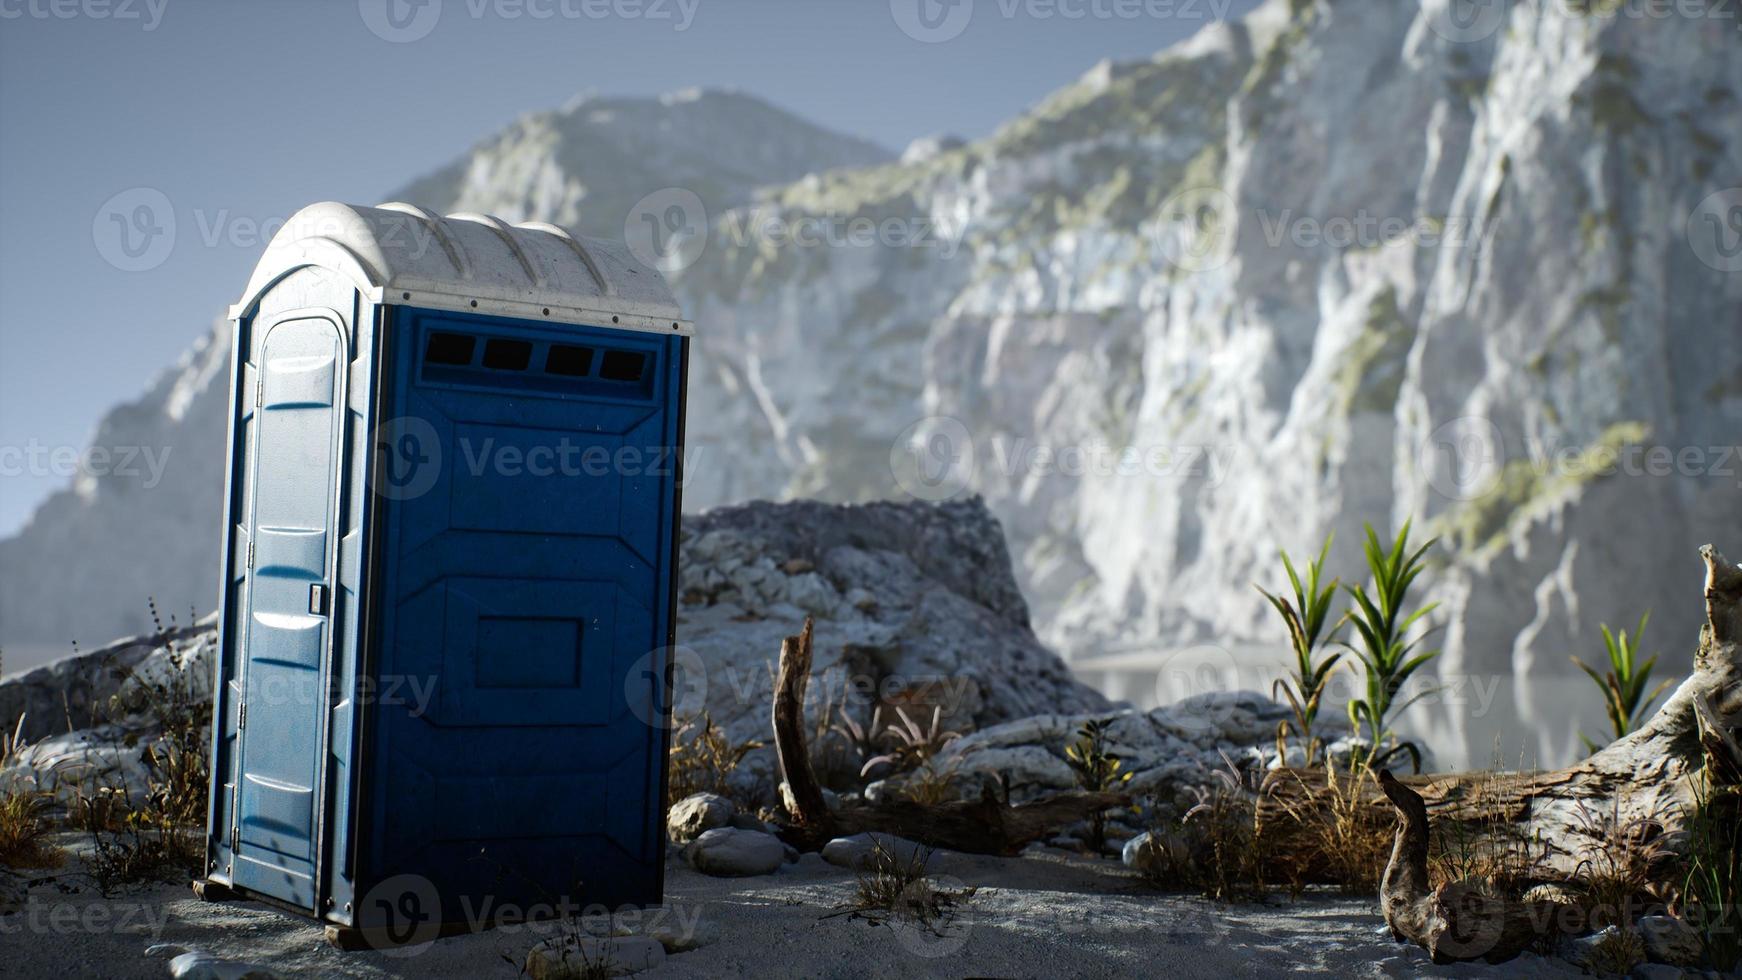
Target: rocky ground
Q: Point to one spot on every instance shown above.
(1047, 913)
(917, 602)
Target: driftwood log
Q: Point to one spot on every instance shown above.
(1455, 921)
(984, 826)
(1647, 781)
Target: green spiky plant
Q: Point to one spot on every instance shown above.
(1387, 653)
(1305, 615)
(1098, 769)
(1623, 685)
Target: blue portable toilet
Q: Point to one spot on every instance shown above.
(455, 456)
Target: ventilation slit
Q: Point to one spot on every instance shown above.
(507, 355)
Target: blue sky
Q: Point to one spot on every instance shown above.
(240, 113)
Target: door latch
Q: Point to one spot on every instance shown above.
(317, 599)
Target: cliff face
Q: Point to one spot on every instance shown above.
(1336, 263)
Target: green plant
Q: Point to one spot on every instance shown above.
(1623, 684)
(1305, 615)
(1711, 886)
(1386, 651)
(1097, 769)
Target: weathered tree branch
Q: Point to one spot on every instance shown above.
(804, 796)
(1455, 921)
(984, 826)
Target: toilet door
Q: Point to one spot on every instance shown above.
(286, 650)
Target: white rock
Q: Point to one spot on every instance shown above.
(728, 852)
(861, 852)
(695, 815)
(682, 937)
(197, 965)
(589, 957)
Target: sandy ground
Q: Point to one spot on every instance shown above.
(1045, 914)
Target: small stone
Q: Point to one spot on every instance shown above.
(695, 815)
(575, 958)
(680, 937)
(164, 951)
(197, 965)
(1136, 854)
(732, 853)
(860, 852)
(797, 566)
(1670, 940)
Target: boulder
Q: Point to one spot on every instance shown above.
(728, 852)
(1670, 940)
(1169, 751)
(860, 852)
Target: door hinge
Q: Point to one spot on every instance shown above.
(250, 555)
(260, 391)
(235, 837)
(241, 715)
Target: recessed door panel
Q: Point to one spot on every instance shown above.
(292, 525)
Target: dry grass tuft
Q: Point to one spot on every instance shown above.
(1711, 886)
(24, 830)
(1622, 872)
(1500, 857)
(1334, 830)
(703, 760)
(1616, 955)
(1218, 847)
(895, 889)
